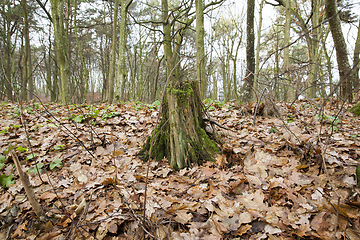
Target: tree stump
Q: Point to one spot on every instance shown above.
(180, 135)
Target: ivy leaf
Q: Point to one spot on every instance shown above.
(31, 156)
(56, 163)
(34, 169)
(6, 180)
(21, 149)
(79, 118)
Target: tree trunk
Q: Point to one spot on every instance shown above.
(26, 65)
(288, 91)
(61, 42)
(180, 136)
(356, 64)
(85, 84)
(258, 46)
(341, 50)
(113, 54)
(250, 51)
(200, 47)
(122, 49)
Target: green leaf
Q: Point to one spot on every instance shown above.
(59, 147)
(56, 163)
(6, 180)
(34, 169)
(5, 130)
(353, 135)
(52, 125)
(21, 149)
(274, 130)
(79, 118)
(2, 160)
(31, 156)
(10, 147)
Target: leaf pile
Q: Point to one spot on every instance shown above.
(269, 182)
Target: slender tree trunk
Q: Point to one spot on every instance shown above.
(8, 79)
(122, 49)
(258, 46)
(113, 54)
(341, 50)
(356, 63)
(61, 41)
(250, 51)
(288, 91)
(26, 65)
(85, 84)
(200, 47)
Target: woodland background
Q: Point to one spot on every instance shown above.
(76, 51)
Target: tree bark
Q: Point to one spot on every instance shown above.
(27, 79)
(250, 51)
(61, 42)
(85, 83)
(113, 54)
(180, 136)
(356, 60)
(122, 49)
(288, 91)
(341, 50)
(258, 46)
(200, 47)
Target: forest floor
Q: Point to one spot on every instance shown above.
(269, 182)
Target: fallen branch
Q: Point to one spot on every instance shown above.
(28, 189)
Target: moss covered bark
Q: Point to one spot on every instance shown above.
(180, 135)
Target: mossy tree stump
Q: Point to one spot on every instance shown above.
(180, 135)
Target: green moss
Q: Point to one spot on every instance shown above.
(355, 109)
(183, 92)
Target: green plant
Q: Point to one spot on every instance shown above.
(34, 170)
(31, 156)
(78, 118)
(21, 149)
(355, 109)
(155, 104)
(219, 104)
(10, 147)
(108, 115)
(5, 130)
(59, 147)
(273, 130)
(2, 160)
(56, 163)
(93, 114)
(138, 106)
(333, 121)
(6, 181)
(37, 126)
(290, 118)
